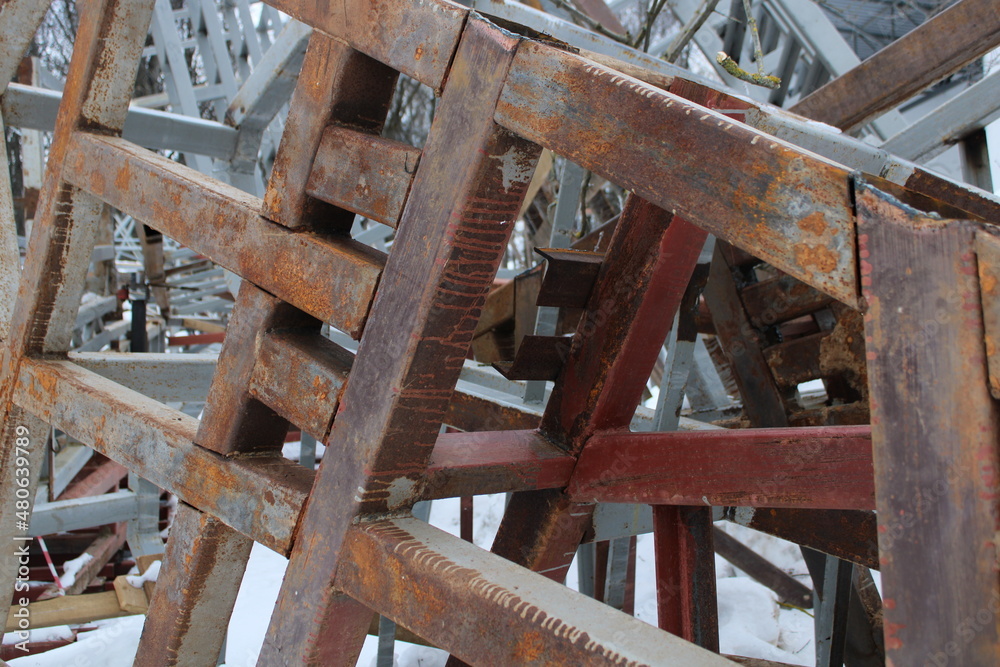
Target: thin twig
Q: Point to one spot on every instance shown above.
(758, 50)
(688, 31)
(765, 80)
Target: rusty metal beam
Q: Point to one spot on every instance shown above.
(650, 260)
(364, 173)
(465, 464)
(258, 496)
(818, 467)
(417, 37)
(333, 278)
(930, 52)
(934, 433)
(188, 616)
(19, 20)
(336, 85)
(409, 571)
(234, 421)
(465, 197)
(101, 74)
(792, 207)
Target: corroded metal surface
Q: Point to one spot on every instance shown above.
(525, 619)
(934, 431)
(792, 208)
(821, 468)
(695, 168)
(332, 279)
(336, 85)
(364, 173)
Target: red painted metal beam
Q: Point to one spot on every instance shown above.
(818, 467)
(495, 462)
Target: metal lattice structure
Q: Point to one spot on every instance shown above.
(913, 254)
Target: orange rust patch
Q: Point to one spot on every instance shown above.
(814, 223)
(988, 282)
(819, 257)
(531, 647)
(123, 178)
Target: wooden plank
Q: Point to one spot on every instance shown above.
(466, 195)
(364, 173)
(329, 90)
(930, 52)
(936, 475)
(408, 570)
(71, 610)
(789, 207)
(130, 599)
(101, 550)
(817, 467)
(333, 279)
(416, 37)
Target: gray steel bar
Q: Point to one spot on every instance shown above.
(32, 108)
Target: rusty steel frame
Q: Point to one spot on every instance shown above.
(354, 548)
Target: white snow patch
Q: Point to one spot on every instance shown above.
(151, 573)
(72, 567)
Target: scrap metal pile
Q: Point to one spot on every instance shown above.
(832, 259)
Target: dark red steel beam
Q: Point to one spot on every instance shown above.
(685, 574)
(495, 462)
(826, 467)
(649, 264)
(196, 339)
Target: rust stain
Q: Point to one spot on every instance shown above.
(815, 223)
(988, 282)
(821, 258)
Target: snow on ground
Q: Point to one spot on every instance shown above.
(751, 623)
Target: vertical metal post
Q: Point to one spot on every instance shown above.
(934, 434)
